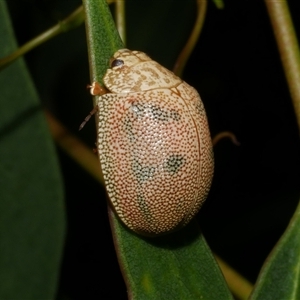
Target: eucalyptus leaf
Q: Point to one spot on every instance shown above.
(279, 278)
(175, 266)
(31, 202)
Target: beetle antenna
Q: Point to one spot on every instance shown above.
(87, 118)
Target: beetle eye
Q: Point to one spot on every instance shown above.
(117, 62)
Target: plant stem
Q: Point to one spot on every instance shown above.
(74, 148)
(190, 45)
(288, 48)
(75, 19)
(225, 134)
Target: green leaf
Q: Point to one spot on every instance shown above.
(102, 37)
(31, 203)
(176, 266)
(219, 4)
(280, 276)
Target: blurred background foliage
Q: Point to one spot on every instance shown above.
(237, 71)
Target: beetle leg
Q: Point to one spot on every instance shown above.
(96, 89)
(95, 109)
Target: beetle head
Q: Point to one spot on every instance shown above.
(134, 71)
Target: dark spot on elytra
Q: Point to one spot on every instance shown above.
(147, 216)
(164, 115)
(138, 109)
(142, 203)
(174, 163)
(142, 173)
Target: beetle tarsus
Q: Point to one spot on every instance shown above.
(87, 118)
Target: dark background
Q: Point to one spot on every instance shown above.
(237, 71)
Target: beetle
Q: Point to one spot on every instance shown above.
(153, 144)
